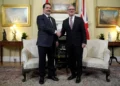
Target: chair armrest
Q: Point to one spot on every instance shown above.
(84, 52)
(106, 55)
(24, 55)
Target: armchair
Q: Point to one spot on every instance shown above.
(29, 56)
(96, 55)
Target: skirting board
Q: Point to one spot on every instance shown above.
(11, 59)
(16, 59)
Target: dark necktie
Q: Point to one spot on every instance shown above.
(50, 19)
(71, 23)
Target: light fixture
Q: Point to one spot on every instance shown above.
(118, 33)
(13, 28)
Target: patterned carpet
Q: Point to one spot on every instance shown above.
(10, 76)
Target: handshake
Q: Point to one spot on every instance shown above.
(58, 33)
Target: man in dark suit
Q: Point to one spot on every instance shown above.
(46, 42)
(75, 42)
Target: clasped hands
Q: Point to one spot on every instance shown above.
(58, 33)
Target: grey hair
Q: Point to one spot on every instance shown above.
(70, 6)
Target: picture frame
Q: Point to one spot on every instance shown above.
(60, 6)
(15, 14)
(107, 17)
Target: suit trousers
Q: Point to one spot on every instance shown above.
(75, 59)
(43, 51)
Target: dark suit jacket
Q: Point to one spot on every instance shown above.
(77, 34)
(46, 29)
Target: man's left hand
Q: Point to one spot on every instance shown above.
(57, 43)
(83, 45)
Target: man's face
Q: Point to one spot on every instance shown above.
(47, 9)
(71, 10)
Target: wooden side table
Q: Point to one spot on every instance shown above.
(17, 44)
(113, 45)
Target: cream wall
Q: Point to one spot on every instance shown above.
(19, 30)
(0, 20)
(91, 12)
(36, 9)
(107, 3)
(90, 8)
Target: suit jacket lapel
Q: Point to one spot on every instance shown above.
(68, 23)
(53, 23)
(48, 21)
(74, 22)
(45, 18)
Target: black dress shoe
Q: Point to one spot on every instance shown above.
(41, 81)
(53, 78)
(78, 79)
(71, 77)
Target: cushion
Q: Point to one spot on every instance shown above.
(84, 52)
(95, 63)
(34, 51)
(32, 63)
(31, 46)
(96, 48)
(28, 43)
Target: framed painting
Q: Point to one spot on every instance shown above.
(107, 17)
(60, 6)
(15, 14)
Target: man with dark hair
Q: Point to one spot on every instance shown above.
(46, 42)
(75, 42)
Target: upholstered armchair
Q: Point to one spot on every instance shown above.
(29, 56)
(97, 55)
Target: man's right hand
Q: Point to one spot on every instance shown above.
(58, 34)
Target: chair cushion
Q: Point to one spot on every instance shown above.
(95, 48)
(31, 46)
(34, 51)
(31, 63)
(85, 52)
(95, 63)
(28, 43)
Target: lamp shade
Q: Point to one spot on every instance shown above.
(118, 28)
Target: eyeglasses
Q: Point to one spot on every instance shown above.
(71, 9)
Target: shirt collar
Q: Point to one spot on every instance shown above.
(72, 16)
(46, 15)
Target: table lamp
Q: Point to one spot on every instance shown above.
(118, 33)
(14, 32)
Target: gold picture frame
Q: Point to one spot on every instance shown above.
(107, 17)
(60, 6)
(16, 14)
